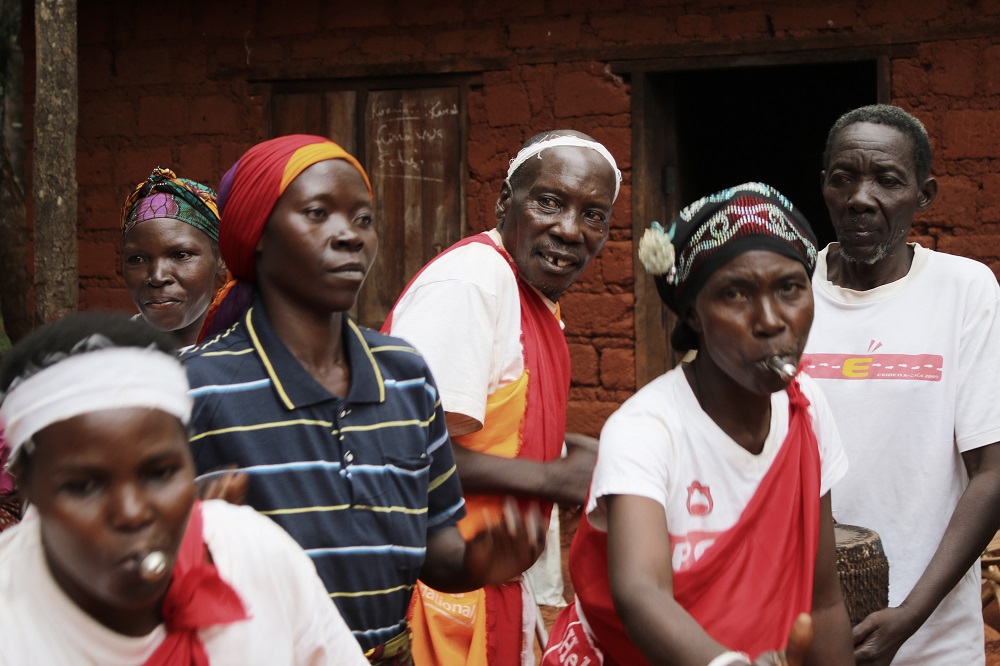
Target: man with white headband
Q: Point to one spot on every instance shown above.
(116, 562)
(485, 316)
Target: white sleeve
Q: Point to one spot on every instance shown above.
(833, 458)
(977, 409)
(634, 458)
(453, 323)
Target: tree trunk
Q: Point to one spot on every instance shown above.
(15, 284)
(56, 116)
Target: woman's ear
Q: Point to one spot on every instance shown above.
(222, 275)
(690, 317)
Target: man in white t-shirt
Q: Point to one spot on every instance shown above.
(484, 315)
(906, 347)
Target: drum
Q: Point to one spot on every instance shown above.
(863, 570)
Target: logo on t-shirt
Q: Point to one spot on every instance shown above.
(699, 500)
(919, 367)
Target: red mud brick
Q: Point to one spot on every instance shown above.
(583, 93)
(971, 133)
(616, 263)
(163, 115)
(584, 362)
(98, 259)
(539, 34)
(506, 105)
(618, 368)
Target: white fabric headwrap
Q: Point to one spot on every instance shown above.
(537, 148)
(93, 381)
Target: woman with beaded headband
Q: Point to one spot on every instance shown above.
(116, 562)
(725, 463)
(170, 252)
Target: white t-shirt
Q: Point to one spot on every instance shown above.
(463, 314)
(292, 620)
(912, 373)
(661, 445)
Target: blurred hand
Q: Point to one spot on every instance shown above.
(509, 548)
(799, 640)
(230, 486)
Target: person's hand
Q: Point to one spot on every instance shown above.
(799, 639)
(568, 478)
(509, 548)
(230, 486)
(878, 637)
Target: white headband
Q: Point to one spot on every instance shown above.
(537, 148)
(93, 381)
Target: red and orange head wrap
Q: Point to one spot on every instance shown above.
(253, 185)
(247, 195)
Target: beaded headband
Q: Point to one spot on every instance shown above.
(716, 228)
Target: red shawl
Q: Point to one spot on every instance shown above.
(748, 587)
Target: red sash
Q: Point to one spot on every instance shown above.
(197, 598)
(748, 587)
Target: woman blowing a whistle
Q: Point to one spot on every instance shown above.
(708, 538)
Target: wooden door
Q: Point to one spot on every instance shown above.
(411, 142)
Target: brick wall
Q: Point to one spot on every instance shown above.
(168, 84)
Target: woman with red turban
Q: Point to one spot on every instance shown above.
(339, 429)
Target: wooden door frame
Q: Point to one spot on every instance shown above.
(654, 163)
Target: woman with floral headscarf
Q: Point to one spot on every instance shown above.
(708, 535)
(339, 428)
(170, 252)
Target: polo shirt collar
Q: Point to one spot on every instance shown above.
(292, 384)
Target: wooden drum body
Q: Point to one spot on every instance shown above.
(863, 570)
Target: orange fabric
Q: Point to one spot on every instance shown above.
(306, 156)
(448, 628)
(453, 628)
(500, 436)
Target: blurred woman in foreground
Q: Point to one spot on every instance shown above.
(116, 562)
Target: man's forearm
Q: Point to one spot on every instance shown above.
(563, 480)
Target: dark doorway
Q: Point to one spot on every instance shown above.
(763, 123)
(708, 126)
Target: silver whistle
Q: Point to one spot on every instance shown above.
(153, 566)
(782, 368)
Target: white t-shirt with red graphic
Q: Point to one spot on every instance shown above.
(661, 445)
(912, 373)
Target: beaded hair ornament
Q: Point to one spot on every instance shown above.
(748, 210)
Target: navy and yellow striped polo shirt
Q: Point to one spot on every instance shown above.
(358, 481)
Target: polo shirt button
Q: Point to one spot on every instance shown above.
(349, 457)
(344, 412)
